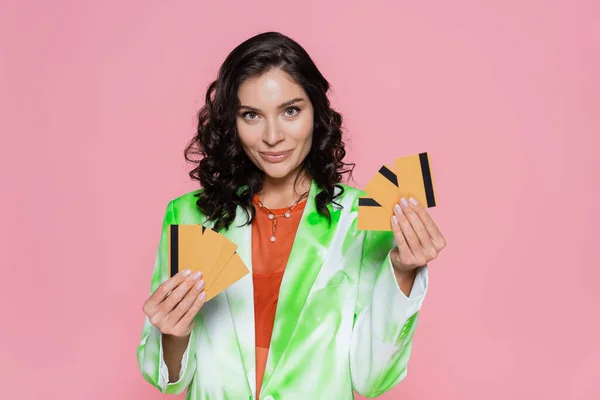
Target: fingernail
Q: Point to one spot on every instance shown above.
(200, 285)
(186, 272)
(398, 209)
(197, 275)
(413, 201)
(202, 296)
(404, 202)
(394, 220)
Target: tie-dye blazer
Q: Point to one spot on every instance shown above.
(342, 323)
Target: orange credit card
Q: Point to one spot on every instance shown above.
(415, 178)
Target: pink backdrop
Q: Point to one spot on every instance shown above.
(98, 101)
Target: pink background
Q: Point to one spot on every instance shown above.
(99, 98)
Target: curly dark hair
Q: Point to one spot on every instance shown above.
(226, 174)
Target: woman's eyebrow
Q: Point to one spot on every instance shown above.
(290, 102)
(282, 105)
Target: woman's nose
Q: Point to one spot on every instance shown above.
(273, 133)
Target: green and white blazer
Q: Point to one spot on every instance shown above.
(342, 324)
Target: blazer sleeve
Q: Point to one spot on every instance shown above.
(150, 350)
(385, 319)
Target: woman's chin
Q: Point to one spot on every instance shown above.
(276, 174)
(278, 171)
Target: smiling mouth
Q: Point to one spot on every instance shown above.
(275, 156)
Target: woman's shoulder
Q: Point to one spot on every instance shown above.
(185, 209)
(347, 198)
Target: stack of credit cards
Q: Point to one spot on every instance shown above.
(198, 248)
(410, 176)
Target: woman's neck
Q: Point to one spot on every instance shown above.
(281, 193)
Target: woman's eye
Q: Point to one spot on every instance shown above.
(291, 112)
(250, 115)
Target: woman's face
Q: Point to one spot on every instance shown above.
(275, 123)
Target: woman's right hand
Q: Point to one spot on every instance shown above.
(174, 304)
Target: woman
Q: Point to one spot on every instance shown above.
(327, 309)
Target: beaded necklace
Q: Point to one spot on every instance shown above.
(273, 217)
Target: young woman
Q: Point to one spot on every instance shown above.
(327, 310)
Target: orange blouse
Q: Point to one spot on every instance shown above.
(268, 265)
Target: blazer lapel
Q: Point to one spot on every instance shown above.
(240, 296)
(308, 253)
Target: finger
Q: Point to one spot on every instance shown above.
(403, 248)
(160, 316)
(409, 234)
(163, 290)
(185, 304)
(430, 225)
(179, 293)
(419, 228)
(185, 324)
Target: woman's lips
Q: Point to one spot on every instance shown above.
(275, 157)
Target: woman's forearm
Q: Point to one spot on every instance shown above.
(173, 349)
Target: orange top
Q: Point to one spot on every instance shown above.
(268, 265)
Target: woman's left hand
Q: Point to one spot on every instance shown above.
(418, 238)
